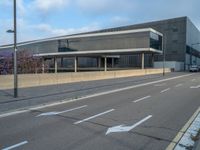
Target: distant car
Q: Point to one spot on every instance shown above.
(194, 68)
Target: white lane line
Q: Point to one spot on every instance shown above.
(195, 87)
(92, 117)
(165, 90)
(28, 109)
(123, 128)
(61, 112)
(178, 85)
(138, 100)
(16, 145)
(160, 84)
(193, 80)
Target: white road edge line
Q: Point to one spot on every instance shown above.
(60, 112)
(192, 131)
(165, 90)
(15, 146)
(180, 134)
(92, 117)
(138, 100)
(24, 110)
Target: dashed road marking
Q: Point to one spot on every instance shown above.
(179, 85)
(92, 117)
(195, 87)
(138, 100)
(165, 90)
(15, 146)
(61, 112)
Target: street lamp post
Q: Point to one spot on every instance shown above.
(15, 53)
(14, 31)
(164, 49)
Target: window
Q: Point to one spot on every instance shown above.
(175, 29)
(155, 41)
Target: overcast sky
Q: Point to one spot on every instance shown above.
(47, 18)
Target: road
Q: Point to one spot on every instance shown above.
(143, 117)
(47, 94)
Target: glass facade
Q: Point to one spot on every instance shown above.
(135, 40)
(192, 45)
(155, 41)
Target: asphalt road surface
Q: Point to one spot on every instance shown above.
(143, 117)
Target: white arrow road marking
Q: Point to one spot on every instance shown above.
(195, 87)
(138, 100)
(123, 128)
(78, 122)
(178, 85)
(16, 145)
(165, 90)
(59, 112)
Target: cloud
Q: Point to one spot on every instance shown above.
(4, 26)
(21, 10)
(162, 9)
(28, 31)
(45, 18)
(6, 2)
(21, 7)
(47, 5)
(119, 21)
(105, 6)
(51, 31)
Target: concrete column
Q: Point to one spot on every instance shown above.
(43, 65)
(113, 62)
(55, 65)
(142, 60)
(152, 60)
(75, 64)
(105, 63)
(62, 62)
(99, 62)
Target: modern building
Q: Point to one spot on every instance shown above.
(133, 46)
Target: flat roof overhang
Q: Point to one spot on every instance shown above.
(84, 35)
(99, 53)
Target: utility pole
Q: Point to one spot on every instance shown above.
(15, 52)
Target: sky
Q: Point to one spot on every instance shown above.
(38, 19)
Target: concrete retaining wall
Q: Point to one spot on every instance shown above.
(177, 66)
(32, 80)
